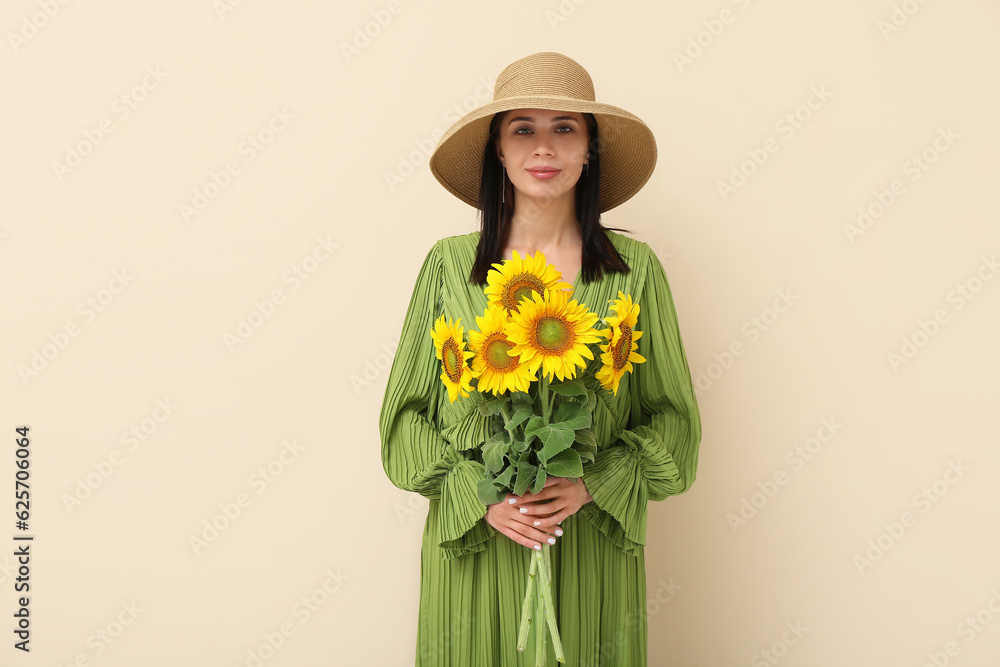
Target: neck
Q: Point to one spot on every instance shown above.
(544, 225)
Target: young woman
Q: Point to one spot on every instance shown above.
(540, 162)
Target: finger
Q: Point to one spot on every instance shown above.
(520, 539)
(548, 526)
(546, 490)
(525, 525)
(537, 536)
(530, 538)
(559, 517)
(540, 508)
(548, 508)
(550, 521)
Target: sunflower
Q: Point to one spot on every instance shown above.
(450, 348)
(497, 370)
(551, 333)
(619, 354)
(517, 278)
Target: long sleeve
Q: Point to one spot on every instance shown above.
(415, 455)
(656, 457)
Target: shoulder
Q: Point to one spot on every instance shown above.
(457, 247)
(450, 256)
(452, 243)
(634, 251)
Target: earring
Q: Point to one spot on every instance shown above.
(503, 184)
(586, 169)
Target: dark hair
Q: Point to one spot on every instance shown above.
(599, 253)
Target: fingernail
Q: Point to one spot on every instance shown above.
(538, 547)
(538, 523)
(559, 532)
(524, 510)
(512, 500)
(552, 540)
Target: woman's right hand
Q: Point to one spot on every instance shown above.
(507, 518)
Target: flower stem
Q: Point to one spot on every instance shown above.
(543, 392)
(544, 587)
(540, 654)
(527, 606)
(505, 411)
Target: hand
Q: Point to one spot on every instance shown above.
(557, 499)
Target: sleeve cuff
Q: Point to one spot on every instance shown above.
(462, 527)
(621, 480)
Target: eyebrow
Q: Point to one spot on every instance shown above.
(532, 120)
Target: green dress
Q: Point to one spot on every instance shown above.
(472, 577)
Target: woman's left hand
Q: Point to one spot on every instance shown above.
(566, 500)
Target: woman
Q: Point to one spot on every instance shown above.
(540, 162)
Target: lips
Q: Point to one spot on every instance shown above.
(544, 173)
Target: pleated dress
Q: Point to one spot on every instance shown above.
(472, 577)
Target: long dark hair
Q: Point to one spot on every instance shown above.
(599, 253)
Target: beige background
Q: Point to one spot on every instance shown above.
(339, 189)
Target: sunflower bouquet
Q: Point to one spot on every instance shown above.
(542, 423)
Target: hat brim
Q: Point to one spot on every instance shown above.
(627, 147)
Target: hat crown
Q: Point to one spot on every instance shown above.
(544, 74)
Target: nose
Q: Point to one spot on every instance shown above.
(542, 145)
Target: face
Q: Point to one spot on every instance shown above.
(539, 138)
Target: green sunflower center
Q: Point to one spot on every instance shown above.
(521, 286)
(552, 334)
(496, 355)
(621, 351)
(452, 360)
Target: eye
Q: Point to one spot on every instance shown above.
(518, 130)
(564, 127)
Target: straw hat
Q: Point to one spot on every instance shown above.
(554, 82)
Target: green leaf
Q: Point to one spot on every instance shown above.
(518, 446)
(492, 406)
(505, 478)
(555, 439)
(493, 453)
(568, 387)
(539, 482)
(488, 493)
(521, 412)
(591, 400)
(586, 451)
(585, 435)
(572, 415)
(530, 431)
(564, 464)
(586, 445)
(526, 473)
(499, 436)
